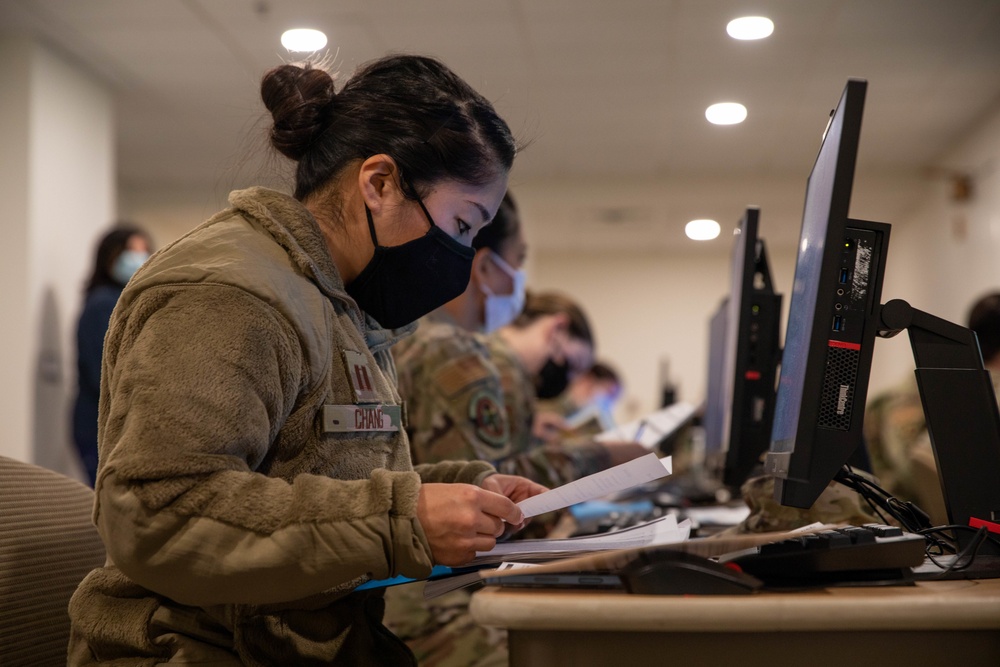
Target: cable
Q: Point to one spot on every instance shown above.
(914, 520)
(970, 552)
(941, 540)
(907, 514)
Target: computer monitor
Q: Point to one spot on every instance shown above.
(830, 332)
(833, 319)
(714, 404)
(744, 354)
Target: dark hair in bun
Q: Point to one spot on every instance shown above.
(412, 108)
(299, 101)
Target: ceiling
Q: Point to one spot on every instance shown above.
(601, 90)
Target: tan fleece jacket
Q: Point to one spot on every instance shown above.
(236, 522)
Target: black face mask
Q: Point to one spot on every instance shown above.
(403, 283)
(553, 379)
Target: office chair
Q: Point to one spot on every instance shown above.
(47, 546)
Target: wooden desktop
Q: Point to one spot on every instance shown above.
(931, 623)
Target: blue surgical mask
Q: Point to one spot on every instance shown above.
(605, 403)
(127, 263)
(502, 309)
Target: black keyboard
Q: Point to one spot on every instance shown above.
(873, 552)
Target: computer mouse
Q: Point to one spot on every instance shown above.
(673, 572)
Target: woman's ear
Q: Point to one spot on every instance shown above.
(379, 182)
(480, 266)
(561, 322)
(548, 328)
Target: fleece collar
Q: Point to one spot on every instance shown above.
(294, 228)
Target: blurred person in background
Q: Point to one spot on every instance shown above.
(119, 255)
(472, 397)
(588, 402)
(896, 431)
(496, 291)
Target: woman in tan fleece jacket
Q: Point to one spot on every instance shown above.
(254, 466)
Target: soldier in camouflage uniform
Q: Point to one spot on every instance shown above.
(897, 439)
(471, 396)
(594, 391)
(566, 343)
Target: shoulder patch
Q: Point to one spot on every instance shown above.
(489, 418)
(456, 375)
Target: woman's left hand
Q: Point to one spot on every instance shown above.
(517, 489)
(512, 486)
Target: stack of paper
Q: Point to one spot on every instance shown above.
(664, 530)
(618, 478)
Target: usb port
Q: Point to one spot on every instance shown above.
(843, 276)
(838, 322)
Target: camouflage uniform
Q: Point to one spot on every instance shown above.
(837, 504)
(553, 464)
(894, 431)
(561, 405)
(902, 463)
(468, 397)
(900, 447)
(454, 401)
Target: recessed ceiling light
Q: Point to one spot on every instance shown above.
(702, 230)
(726, 113)
(750, 27)
(303, 39)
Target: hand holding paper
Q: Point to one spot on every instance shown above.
(514, 487)
(455, 533)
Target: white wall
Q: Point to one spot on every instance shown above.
(15, 336)
(961, 239)
(169, 213)
(59, 187)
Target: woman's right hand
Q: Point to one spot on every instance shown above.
(461, 519)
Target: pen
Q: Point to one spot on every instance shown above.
(638, 431)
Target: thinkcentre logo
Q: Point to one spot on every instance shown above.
(842, 399)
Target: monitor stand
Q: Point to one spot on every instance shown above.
(963, 421)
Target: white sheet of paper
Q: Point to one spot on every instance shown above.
(620, 477)
(652, 428)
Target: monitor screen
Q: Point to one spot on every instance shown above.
(714, 403)
(829, 335)
(744, 353)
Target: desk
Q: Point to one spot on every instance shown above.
(933, 623)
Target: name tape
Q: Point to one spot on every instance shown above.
(358, 418)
